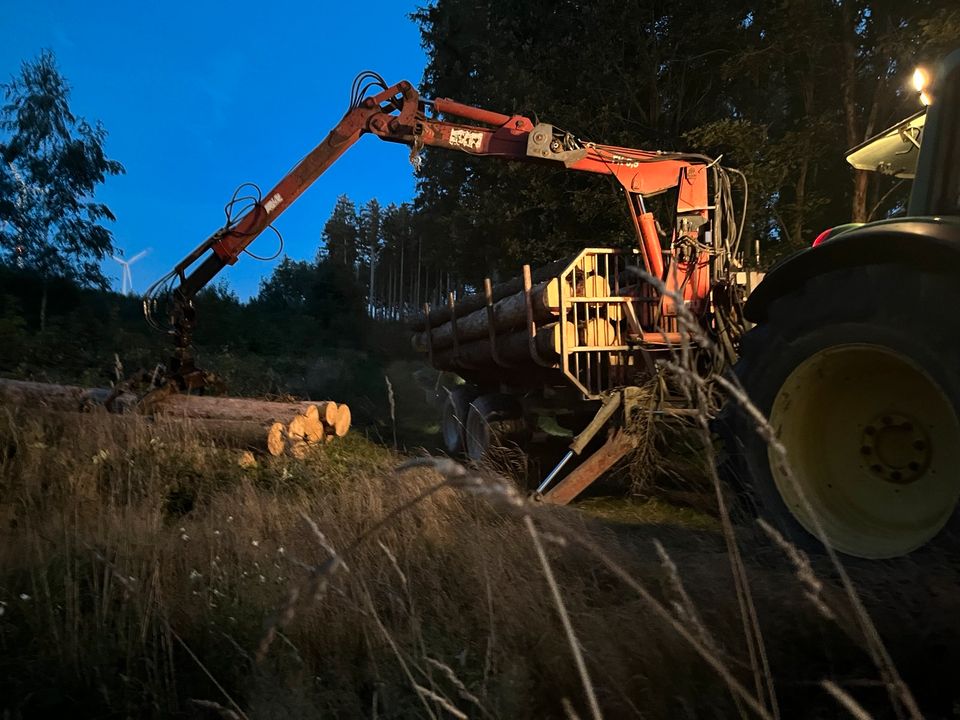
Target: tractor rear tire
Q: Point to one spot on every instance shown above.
(492, 420)
(857, 371)
(453, 418)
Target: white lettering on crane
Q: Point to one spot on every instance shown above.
(625, 161)
(466, 138)
(272, 202)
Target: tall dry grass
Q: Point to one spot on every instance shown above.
(138, 566)
(145, 574)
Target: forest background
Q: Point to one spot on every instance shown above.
(780, 90)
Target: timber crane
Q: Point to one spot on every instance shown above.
(397, 113)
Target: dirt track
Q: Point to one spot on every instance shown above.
(914, 603)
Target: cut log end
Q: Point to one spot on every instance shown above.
(297, 429)
(276, 439)
(327, 412)
(342, 425)
(307, 428)
(313, 430)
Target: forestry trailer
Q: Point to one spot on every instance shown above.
(849, 357)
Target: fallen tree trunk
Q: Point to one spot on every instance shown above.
(242, 435)
(62, 397)
(235, 434)
(276, 427)
(224, 408)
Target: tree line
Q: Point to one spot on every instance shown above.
(384, 249)
(779, 90)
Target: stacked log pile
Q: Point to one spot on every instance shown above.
(439, 315)
(474, 334)
(263, 426)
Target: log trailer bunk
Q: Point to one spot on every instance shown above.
(860, 383)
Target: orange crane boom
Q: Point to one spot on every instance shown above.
(398, 114)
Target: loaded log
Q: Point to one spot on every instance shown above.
(511, 349)
(599, 332)
(476, 301)
(509, 314)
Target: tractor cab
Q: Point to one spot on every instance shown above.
(925, 147)
(936, 189)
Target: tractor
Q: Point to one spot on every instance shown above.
(854, 365)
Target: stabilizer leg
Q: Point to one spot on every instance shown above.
(618, 444)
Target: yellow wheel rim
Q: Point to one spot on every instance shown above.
(874, 446)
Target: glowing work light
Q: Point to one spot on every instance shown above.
(921, 82)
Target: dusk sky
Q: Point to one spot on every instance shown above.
(200, 97)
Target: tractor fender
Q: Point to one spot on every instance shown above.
(927, 244)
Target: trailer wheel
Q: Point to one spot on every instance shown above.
(453, 418)
(858, 377)
(491, 420)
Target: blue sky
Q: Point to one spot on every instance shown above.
(199, 97)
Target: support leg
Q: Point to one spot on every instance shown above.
(618, 445)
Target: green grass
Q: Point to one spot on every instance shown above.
(647, 511)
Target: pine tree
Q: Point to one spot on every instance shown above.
(341, 234)
(371, 239)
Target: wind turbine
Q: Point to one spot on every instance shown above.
(126, 281)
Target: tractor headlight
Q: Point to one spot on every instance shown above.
(921, 82)
(921, 78)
